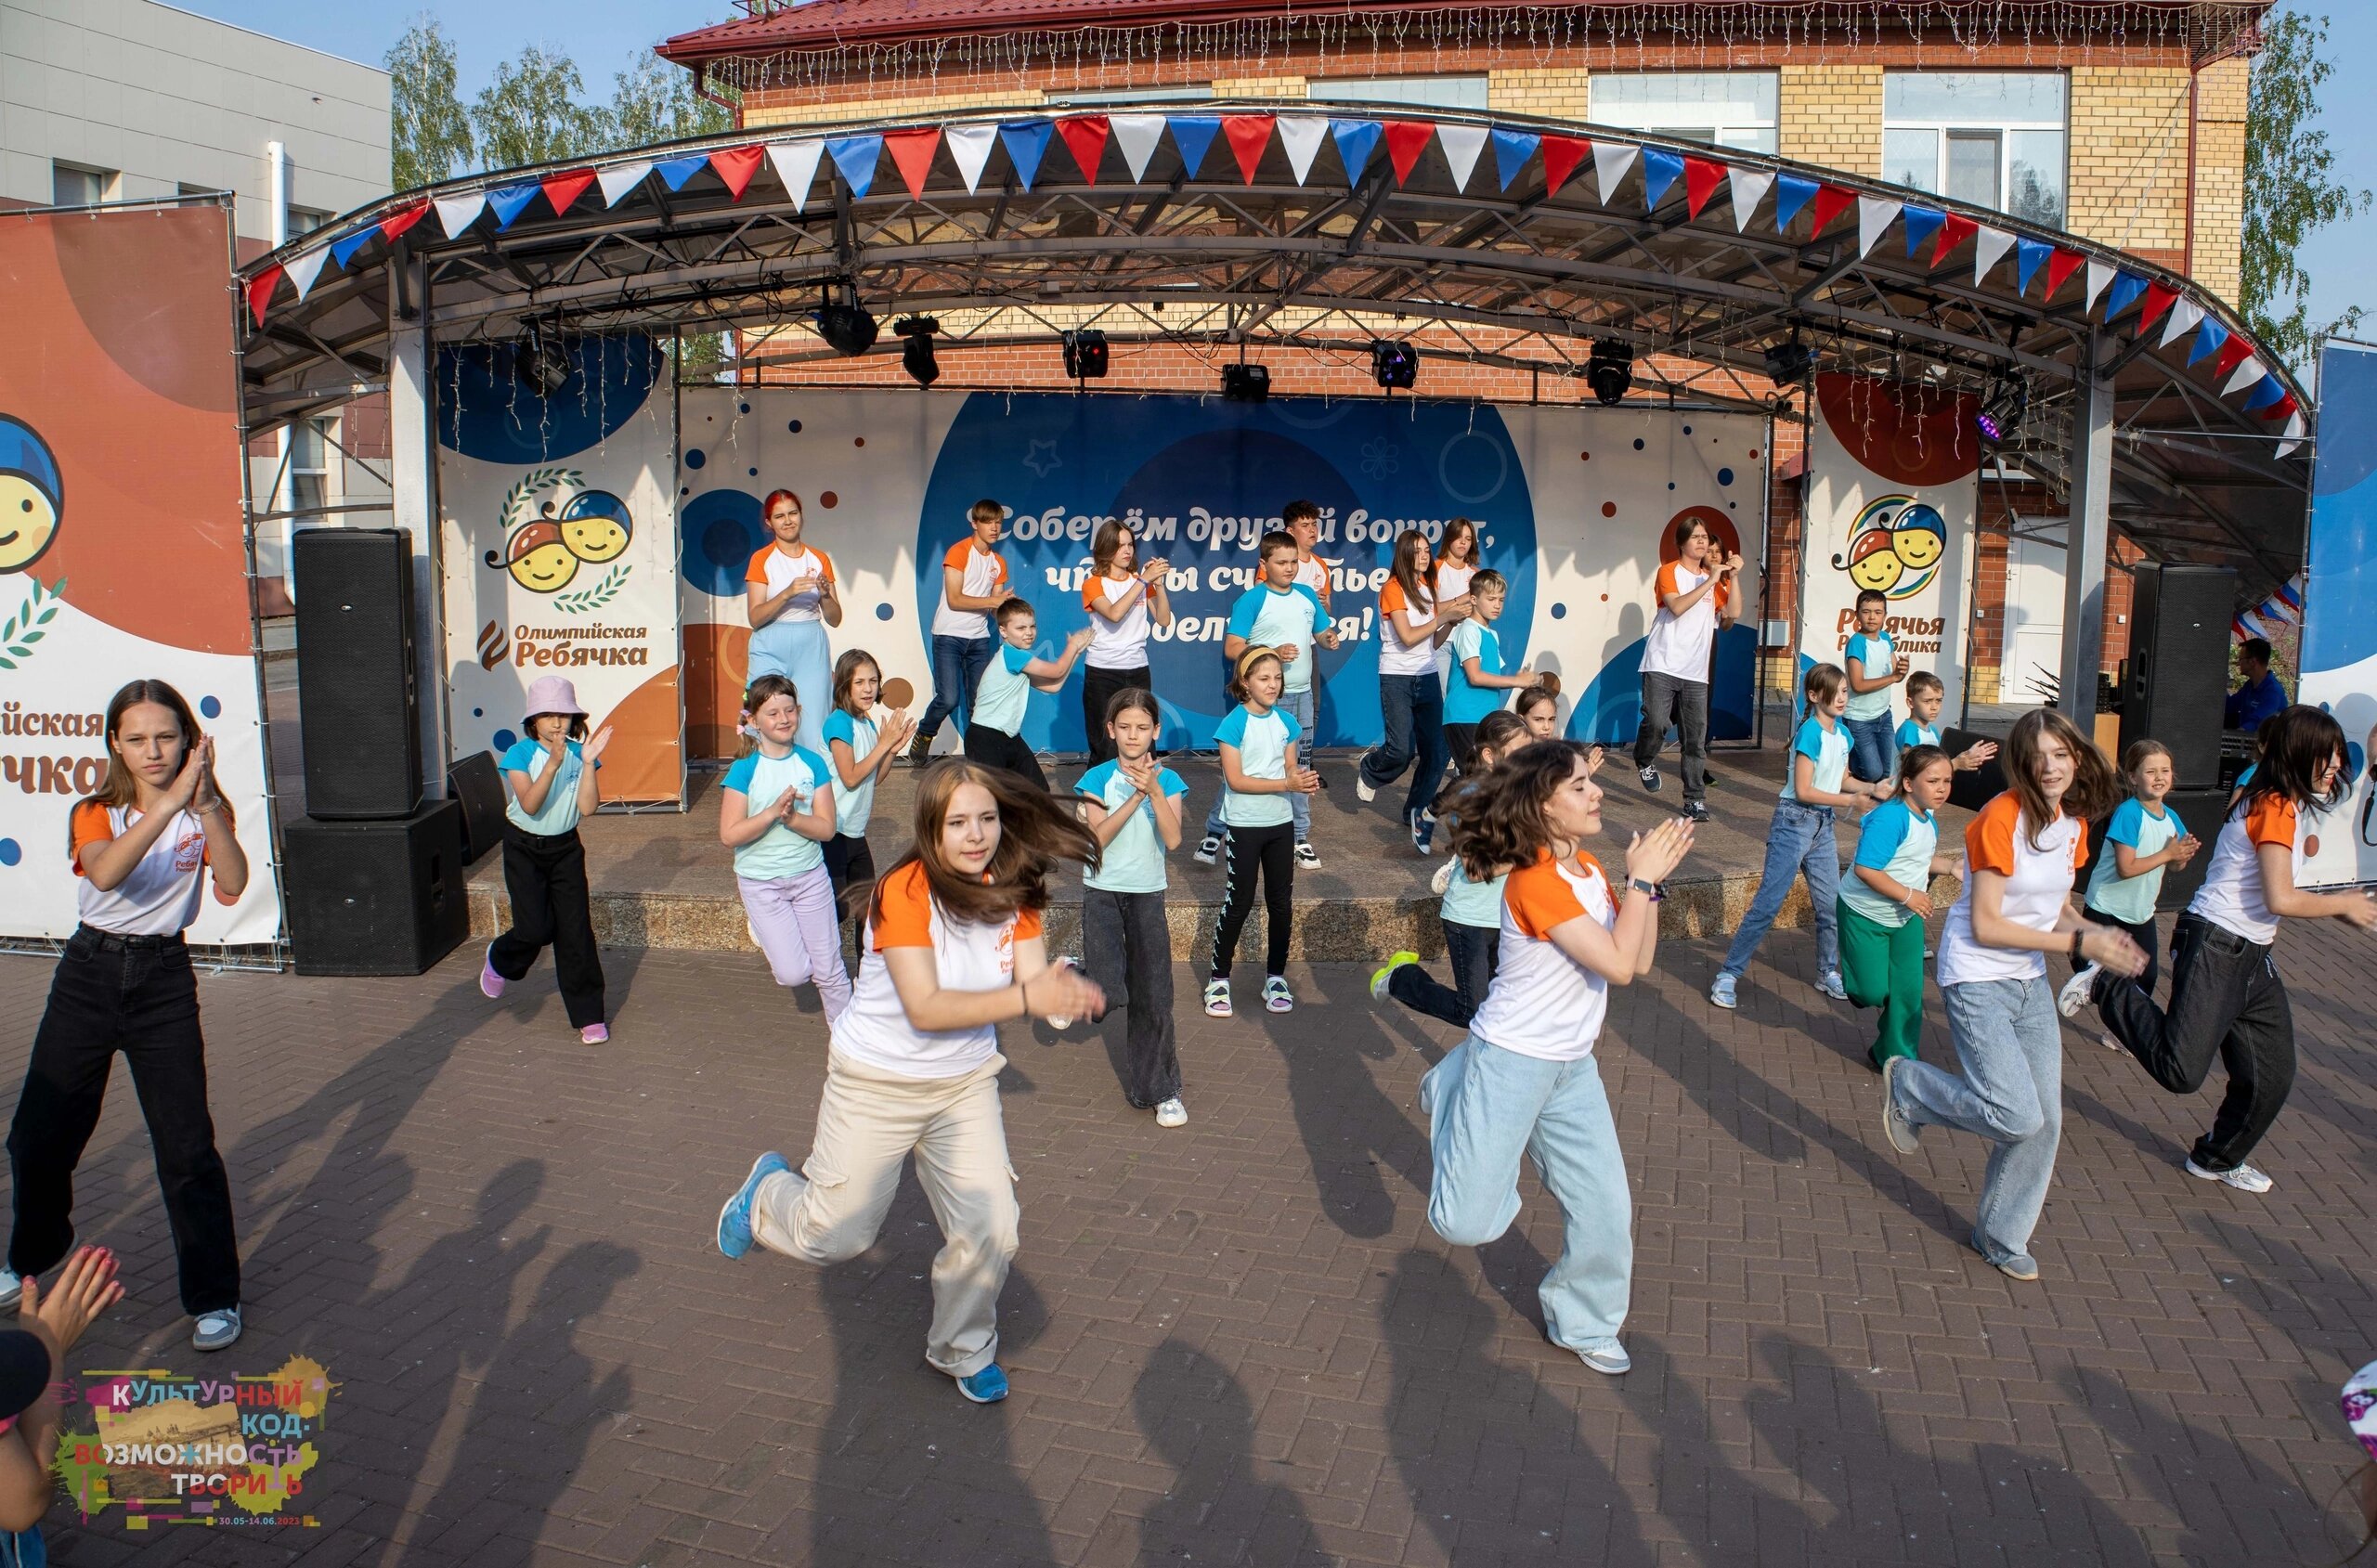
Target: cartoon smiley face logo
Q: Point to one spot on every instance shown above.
(537, 559)
(1872, 563)
(33, 496)
(595, 525)
(1919, 537)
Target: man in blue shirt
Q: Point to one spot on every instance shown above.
(2261, 696)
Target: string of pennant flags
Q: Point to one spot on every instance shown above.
(2274, 615)
(2231, 359)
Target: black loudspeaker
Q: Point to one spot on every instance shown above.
(477, 785)
(1977, 788)
(376, 898)
(358, 709)
(2177, 680)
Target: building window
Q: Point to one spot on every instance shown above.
(1082, 100)
(1995, 139)
(1721, 107)
(1437, 91)
(305, 220)
(73, 186)
(309, 466)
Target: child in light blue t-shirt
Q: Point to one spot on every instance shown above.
(1476, 685)
(776, 811)
(1886, 897)
(1872, 666)
(549, 780)
(862, 749)
(1260, 774)
(2145, 840)
(1133, 804)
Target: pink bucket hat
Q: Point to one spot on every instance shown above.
(552, 693)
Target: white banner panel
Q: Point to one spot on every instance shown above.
(2339, 633)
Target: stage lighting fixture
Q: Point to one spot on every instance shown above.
(846, 326)
(918, 356)
(1393, 364)
(1788, 363)
(1245, 384)
(1086, 354)
(541, 362)
(1610, 371)
(2001, 412)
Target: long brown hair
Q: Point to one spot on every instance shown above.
(1459, 528)
(1495, 731)
(1112, 534)
(1416, 591)
(2096, 788)
(1034, 834)
(120, 788)
(2296, 742)
(1501, 824)
(846, 671)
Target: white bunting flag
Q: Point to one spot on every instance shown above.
(1874, 214)
(456, 214)
(1137, 134)
(306, 266)
(2248, 374)
(970, 146)
(621, 179)
(1301, 134)
(2099, 274)
(1989, 247)
(795, 164)
(1750, 186)
(1462, 145)
(2295, 428)
(1611, 160)
(2186, 317)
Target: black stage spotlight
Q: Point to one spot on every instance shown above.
(1245, 384)
(1393, 364)
(542, 361)
(2001, 412)
(1610, 370)
(917, 358)
(1788, 363)
(1086, 354)
(846, 326)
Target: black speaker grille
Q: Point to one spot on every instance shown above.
(359, 712)
(376, 898)
(2178, 666)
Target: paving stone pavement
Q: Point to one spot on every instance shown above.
(1239, 1342)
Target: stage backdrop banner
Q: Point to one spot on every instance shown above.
(1893, 496)
(1575, 507)
(2339, 634)
(121, 550)
(558, 525)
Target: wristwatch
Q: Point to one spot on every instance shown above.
(1656, 889)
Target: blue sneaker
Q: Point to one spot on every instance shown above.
(985, 1387)
(734, 1219)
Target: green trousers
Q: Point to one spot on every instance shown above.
(1882, 967)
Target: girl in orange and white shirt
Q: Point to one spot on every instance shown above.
(1412, 622)
(1525, 1080)
(954, 948)
(792, 599)
(2225, 996)
(1122, 598)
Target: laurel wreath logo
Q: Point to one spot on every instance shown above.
(587, 600)
(24, 629)
(517, 499)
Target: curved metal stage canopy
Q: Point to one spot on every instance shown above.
(1524, 239)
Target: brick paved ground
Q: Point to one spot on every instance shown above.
(1239, 1342)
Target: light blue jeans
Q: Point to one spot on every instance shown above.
(1486, 1106)
(1799, 840)
(1873, 747)
(1298, 706)
(2011, 1049)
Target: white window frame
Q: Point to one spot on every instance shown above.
(110, 182)
(1944, 128)
(1690, 122)
(1413, 90)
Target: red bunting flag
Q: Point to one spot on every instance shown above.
(260, 289)
(2158, 300)
(1406, 140)
(2059, 268)
(912, 154)
(396, 223)
(1953, 231)
(1085, 136)
(2233, 352)
(1561, 156)
(735, 165)
(2280, 409)
(1248, 134)
(1701, 178)
(1831, 202)
(566, 188)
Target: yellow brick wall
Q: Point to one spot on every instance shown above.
(1258, 86)
(1832, 116)
(2220, 174)
(2126, 184)
(758, 111)
(1562, 92)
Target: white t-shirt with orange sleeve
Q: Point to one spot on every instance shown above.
(967, 954)
(1542, 1003)
(1120, 644)
(985, 578)
(161, 896)
(2232, 897)
(1395, 657)
(1678, 645)
(2038, 886)
(778, 571)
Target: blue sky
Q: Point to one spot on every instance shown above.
(603, 35)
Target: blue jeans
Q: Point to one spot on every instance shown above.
(1413, 707)
(1799, 839)
(1298, 706)
(1873, 747)
(2010, 1046)
(958, 665)
(1485, 1106)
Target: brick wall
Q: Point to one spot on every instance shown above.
(2128, 159)
(2220, 91)
(1831, 114)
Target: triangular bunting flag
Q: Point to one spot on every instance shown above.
(970, 148)
(1248, 134)
(506, 202)
(306, 266)
(1561, 156)
(2059, 268)
(563, 190)
(343, 251)
(1989, 247)
(1301, 135)
(2158, 298)
(1660, 171)
(2283, 408)
(1922, 224)
(1701, 178)
(1137, 136)
(912, 155)
(1085, 139)
(2208, 339)
(1749, 187)
(1406, 140)
(2235, 352)
(620, 178)
(1611, 161)
(1791, 193)
(1875, 215)
(2029, 257)
(736, 165)
(1831, 202)
(796, 167)
(2127, 286)
(675, 171)
(2099, 274)
(2295, 429)
(396, 224)
(1026, 142)
(456, 214)
(1511, 149)
(260, 289)
(2249, 368)
(1954, 229)
(1462, 144)
(1193, 135)
(2184, 314)
(855, 159)
(2265, 394)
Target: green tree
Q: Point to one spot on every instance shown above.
(655, 101)
(532, 112)
(429, 135)
(2290, 188)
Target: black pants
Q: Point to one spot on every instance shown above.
(1098, 689)
(136, 996)
(1461, 740)
(996, 748)
(2145, 934)
(1473, 952)
(1127, 947)
(1271, 852)
(551, 907)
(2225, 997)
(849, 863)
(1670, 699)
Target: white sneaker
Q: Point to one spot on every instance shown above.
(1442, 879)
(1208, 849)
(2244, 1178)
(1722, 990)
(216, 1330)
(1829, 984)
(1172, 1113)
(1606, 1356)
(1307, 858)
(2074, 994)
(1364, 791)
